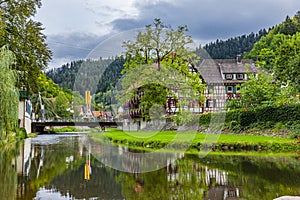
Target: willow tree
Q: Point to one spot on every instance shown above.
(8, 94)
(159, 62)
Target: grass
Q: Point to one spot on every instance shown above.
(167, 136)
(64, 129)
(197, 141)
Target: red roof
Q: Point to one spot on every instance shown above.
(96, 113)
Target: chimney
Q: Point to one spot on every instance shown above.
(239, 59)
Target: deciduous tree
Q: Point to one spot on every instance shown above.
(158, 61)
(25, 39)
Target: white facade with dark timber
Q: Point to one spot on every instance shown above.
(223, 78)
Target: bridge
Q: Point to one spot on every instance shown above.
(40, 126)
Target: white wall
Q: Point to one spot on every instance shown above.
(24, 117)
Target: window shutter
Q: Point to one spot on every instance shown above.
(234, 89)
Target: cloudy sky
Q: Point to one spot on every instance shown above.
(76, 27)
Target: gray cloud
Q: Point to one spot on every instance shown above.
(212, 19)
(207, 20)
(71, 46)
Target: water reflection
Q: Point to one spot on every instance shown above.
(65, 167)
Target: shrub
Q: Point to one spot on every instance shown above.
(265, 117)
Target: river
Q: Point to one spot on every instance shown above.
(65, 166)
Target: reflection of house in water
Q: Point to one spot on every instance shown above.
(220, 188)
(24, 159)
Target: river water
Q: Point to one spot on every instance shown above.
(72, 167)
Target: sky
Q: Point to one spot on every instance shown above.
(79, 29)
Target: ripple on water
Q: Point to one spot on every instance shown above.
(48, 139)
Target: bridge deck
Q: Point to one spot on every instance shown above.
(39, 126)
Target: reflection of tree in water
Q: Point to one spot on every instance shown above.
(216, 177)
(8, 172)
(180, 180)
(260, 177)
(101, 183)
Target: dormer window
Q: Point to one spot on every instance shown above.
(228, 76)
(240, 76)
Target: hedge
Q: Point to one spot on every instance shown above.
(267, 114)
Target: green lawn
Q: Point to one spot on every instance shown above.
(156, 140)
(167, 136)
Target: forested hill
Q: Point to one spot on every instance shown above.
(279, 52)
(230, 48)
(66, 75)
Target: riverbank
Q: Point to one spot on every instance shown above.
(196, 142)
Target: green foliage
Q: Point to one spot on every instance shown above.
(47, 87)
(8, 175)
(8, 94)
(95, 75)
(263, 90)
(264, 117)
(62, 106)
(105, 75)
(65, 75)
(111, 75)
(294, 128)
(65, 129)
(23, 133)
(259, 90)
(279, 52)
(25, 39)
(287, 61)
(289, 26)
(230, 48)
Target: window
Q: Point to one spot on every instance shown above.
(229, 89)
(210, 89)
(228, 76)
(211, 103)
(240, 76)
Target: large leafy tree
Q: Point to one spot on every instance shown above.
(263, 90)
(287, 61)
(8, 94)
(62, 105)
(159, 61)
(279, 52)
(25, 39)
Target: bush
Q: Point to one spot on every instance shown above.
(295, 130)
(22, 133)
